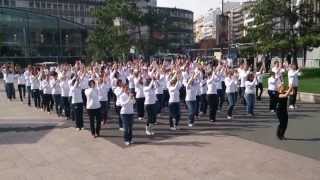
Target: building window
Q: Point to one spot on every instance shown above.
(38, 5)
(54, 6)
(49, 5)
(6, 2)
(13, 3)
(43, 5)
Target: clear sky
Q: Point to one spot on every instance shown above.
(199, 7)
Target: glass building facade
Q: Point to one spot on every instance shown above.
(26, 36)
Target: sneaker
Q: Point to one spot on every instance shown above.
(219, 110)
(190, 125)
(131, 142)
(121, 129)
(140, 118)
(78, 129)
(127, 143)
(212, 120)
(229, 117)
(148, 132)
(291, 107)
(173, 128)
(272, 111)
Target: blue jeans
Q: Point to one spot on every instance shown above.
(127, 120)
(232, 102)
(192, 110)
(77, 109)
(174, 112)
(250, 101)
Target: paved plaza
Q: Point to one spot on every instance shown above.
(37, 145)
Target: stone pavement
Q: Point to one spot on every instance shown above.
(37, 145)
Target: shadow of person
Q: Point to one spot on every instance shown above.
(303, 139)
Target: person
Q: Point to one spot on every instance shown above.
(203, 95)
(35, 85)
(77, 102)
(150, 104)
(127, 101)
(250, 85)
(46, 90)
(212, 96)
(273, 85)
(243, 73)
(103, 90)
(282, 111)
(259, 86)
(21, 85)
(93, 108)
(9, 82)
(231, 82)
(293, 79)
(65, 89)
(174, 101)
(191, 93)
(118, 91)
(56, 92)
(140, 98)
(27, 75)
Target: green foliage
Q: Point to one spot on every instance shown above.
(274, 26)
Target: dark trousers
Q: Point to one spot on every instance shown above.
(232, 102)
(174, 112)
(46, 102)
(213, 106)
(191, 110)
(65, 105)
(22, 91)
(10, 91)
(29, 95)
(41, 99)
(36, 98)
(283, 123)
(152, 113)
(84, 98)
(182, 94)
(159, 103)
(78, 114)
(118, 109)
(259, 87)
(57, 103)
(104, 111)
(140, 107)
(203, 103)
(221, 98)
(71, 109)
(95, 121)
(166, 97)
(127, 125)
(293, 97)
(273, 99)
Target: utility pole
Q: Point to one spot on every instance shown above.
(222, 16)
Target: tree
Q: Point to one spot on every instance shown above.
(280, 25)
(109, 38)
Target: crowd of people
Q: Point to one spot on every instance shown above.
(140, 89)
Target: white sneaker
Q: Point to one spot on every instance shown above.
(121, 129)
(140, 118)
(190, 125)
(229, 117)
(78, 129)
(127, 143)
(173, 128)
(131, 142)
(272, 111)
(148, 132)
(291, 107)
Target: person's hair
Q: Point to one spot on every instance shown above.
(91, 83)
(250, 77)
(147, 82)
(283, 89)
(272, 74)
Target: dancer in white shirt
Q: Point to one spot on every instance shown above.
(293, 78)
(93, 107)
(150, 104)
(250, 86)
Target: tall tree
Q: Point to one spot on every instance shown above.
(282, 25)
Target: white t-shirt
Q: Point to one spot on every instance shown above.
(150, 94)
(231, 85)
(293, 77)
(174, 93)
(92, 98)
(126, 104)
(250, 87)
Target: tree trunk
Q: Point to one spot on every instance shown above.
(304, 56)
(295, 57)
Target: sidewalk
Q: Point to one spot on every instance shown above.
(35, 145)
